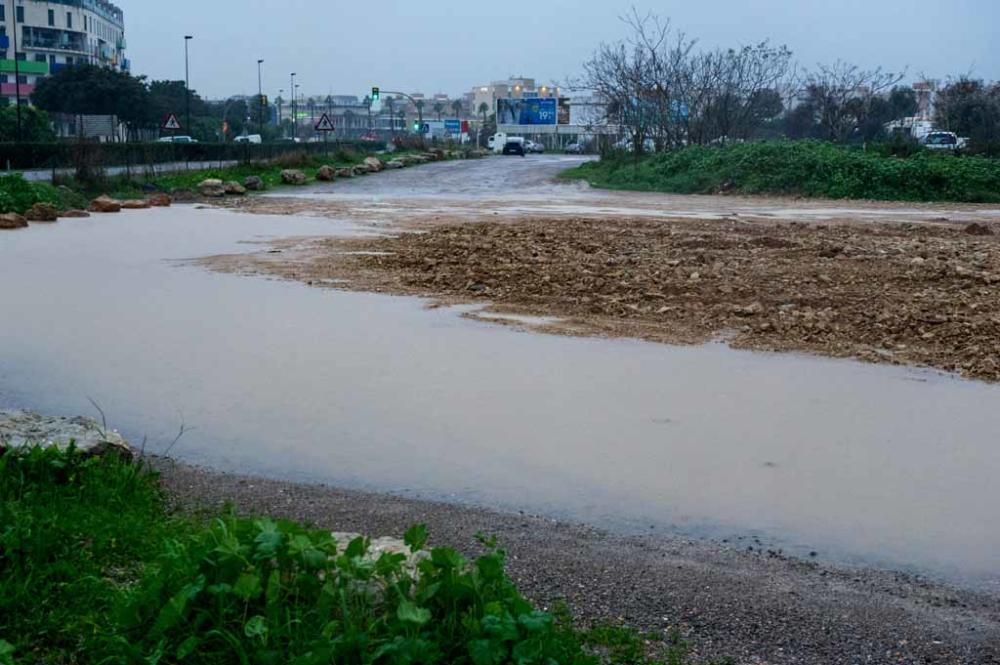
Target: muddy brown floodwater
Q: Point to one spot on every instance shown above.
(852, 466)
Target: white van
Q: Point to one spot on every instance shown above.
(249, 138)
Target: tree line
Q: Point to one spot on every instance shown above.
(664, 92)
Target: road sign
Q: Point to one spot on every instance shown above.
(324, 124)
(453, 125)
(171, 123)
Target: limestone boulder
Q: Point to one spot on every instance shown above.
(253, 183)
(12, 220)
(74, 213)
(293, 177)
(42, 212)
(105, 204)
(374, 164)
(212, 188)
(395, 164)
(19, 429)
(160, 200)
(326, 173)
(234, 188)
(344, 172)
(136, 204)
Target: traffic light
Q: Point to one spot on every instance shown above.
(375, 94)
(416, 126)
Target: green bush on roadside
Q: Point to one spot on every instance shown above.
(802, 168)
(94, 570)
(17, 195)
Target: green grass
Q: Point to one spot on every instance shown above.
(802, 168)
(93, 569)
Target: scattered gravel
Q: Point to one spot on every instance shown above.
(755, 607)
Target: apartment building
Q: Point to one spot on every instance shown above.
(53, 34)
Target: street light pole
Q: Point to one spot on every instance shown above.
(17, 73)
(295, 121)
(281, 92)
(187, 84)
(260, 98)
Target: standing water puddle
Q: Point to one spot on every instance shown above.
(869, 463)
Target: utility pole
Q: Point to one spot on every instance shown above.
(278, 101)
(17, 72)
(260, 99)
(187, 84)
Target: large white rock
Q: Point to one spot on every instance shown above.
(24, 428)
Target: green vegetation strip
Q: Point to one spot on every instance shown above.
(93, 569)
(801, 168)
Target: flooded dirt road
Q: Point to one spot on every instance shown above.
(857, 463)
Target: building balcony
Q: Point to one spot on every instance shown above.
(10, 90)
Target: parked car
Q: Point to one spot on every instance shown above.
(943, 141)
(575, 149)
(249, 138)
(534, 147)
(514, 146)
(177, 139)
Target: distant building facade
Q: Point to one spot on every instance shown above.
(53, 34)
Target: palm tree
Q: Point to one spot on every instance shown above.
(483, 110)
(438, 108)
(456, 106)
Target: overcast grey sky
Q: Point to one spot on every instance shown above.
(449, 46)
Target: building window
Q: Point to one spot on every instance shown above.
(23, 80)
(3, 78)
(19, 14)
(69, 20)
(3, 13)
(39, 57)
(52, 17)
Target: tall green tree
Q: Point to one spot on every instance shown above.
(93, 90)
(971, 108)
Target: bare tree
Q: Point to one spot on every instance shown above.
(841, 96)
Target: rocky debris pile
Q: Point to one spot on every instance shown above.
(12, 220)
(253, 183)
(24, 428)
(42, 212)
(293, 177)
(105, 204)
(896, 293)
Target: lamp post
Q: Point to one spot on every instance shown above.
(187, 84)
(260, 98)
(17, 74)
(295, 121)
(281, 91)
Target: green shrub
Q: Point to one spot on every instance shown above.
(94, 570)
(17, 195)
(803, 168)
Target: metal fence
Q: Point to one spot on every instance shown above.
(139, 156)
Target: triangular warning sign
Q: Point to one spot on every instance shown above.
(324, 124)
(171, 123)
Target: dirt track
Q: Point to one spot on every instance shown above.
(902, 293)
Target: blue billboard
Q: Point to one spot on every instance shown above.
(527, 111)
